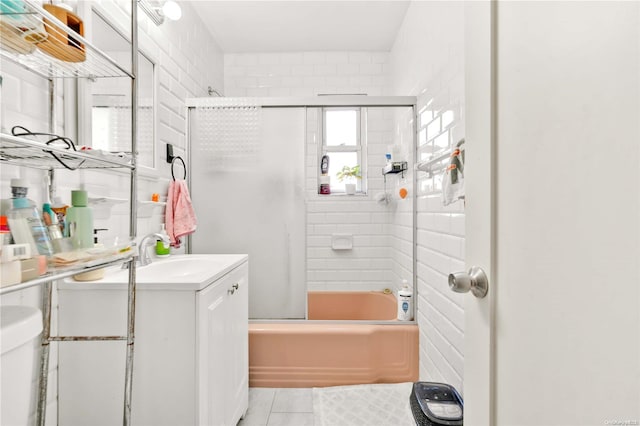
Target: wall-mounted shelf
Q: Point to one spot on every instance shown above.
(29, 153)
(393, 169)
(60, 273)
(96, 64)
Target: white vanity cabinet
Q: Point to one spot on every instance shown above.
(223, 312)
(191, 352)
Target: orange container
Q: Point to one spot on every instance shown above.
(4, 225)
(60, 44)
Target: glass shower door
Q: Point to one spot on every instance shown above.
(247, 187)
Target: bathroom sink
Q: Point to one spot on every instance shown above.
(181, 268)
(187, 271)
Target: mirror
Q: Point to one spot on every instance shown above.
(110, 98)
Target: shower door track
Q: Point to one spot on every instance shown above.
(304, 102)
(331, 322)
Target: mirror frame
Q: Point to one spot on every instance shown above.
(113, 16)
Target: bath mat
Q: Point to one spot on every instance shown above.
(363, 405)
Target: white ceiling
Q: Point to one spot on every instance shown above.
(294, 26)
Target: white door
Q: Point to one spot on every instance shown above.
(553, 211)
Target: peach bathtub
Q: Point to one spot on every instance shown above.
(351, 305)
(308, 354)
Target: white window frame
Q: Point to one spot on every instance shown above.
(359, 148)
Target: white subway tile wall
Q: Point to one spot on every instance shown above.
(369, 264)
(427, 61)
(402, 222)
(306, 73)
(189, 61)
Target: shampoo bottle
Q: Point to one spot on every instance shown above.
(80, 221)
(405, 302)
(25, 222)
(162, 249)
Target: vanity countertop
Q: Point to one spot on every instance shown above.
(192, 272)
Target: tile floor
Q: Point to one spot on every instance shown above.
(279, 407)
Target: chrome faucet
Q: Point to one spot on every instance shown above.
(144, 257)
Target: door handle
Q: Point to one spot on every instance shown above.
(475, 281)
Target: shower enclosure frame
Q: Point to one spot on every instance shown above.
(321, 101)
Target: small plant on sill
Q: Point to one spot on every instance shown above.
(349, 173)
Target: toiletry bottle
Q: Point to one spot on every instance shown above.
(25, 222)
(162, 249)
(405, 301)
(51, 222)
(325, 183)
(80, 221)
(60, 210)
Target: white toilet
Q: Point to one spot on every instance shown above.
(19, 329)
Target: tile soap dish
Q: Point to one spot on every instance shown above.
(341, 241)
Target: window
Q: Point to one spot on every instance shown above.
(342, 142)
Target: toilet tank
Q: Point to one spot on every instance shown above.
(19, 329)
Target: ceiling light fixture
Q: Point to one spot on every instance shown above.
(157, 10)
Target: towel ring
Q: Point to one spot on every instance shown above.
(183, 165)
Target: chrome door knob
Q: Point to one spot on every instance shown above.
(475, 281)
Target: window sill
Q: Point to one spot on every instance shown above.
(343, 195)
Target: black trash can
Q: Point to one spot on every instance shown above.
(436, 404)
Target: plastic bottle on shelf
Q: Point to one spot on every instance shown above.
(162, 249)
(80, 221)
(51, 222)
(60, 210)
(25, 221)
(405, 302)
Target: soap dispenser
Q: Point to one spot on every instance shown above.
(163, 249)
